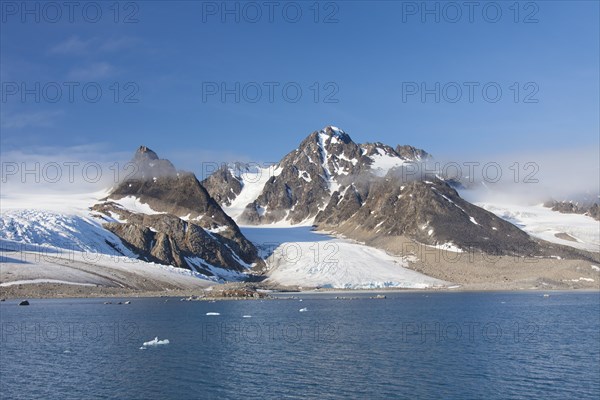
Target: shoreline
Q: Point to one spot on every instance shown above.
(207, 295)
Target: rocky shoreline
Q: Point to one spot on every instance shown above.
(252, 291)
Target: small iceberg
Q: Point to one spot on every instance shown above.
(213, 313)
(155, 342)
(304, 309)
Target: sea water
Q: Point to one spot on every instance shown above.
(493, 345)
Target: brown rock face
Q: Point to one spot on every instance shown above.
(225, 183)
(430, 212)
(188, 228)
(305, 178)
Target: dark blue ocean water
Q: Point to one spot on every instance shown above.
(410, 345)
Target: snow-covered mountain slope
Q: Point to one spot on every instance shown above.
(298, 256)
(253, 180)
(161, 217)
(24, 264)
(57, 240)
(575, 230)
(44, 244)
(72, 203)
(67, 231)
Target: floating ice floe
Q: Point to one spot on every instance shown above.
(303, 309)
(213, 313)
(155, 342)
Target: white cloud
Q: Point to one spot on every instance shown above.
(70, 169)
(534, 177)
(203, 162)
(72, 45)
(94, 71)
(40, 119)
(118, 43)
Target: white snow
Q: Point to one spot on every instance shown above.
(323, 138)
(582, 279)
(253, 182)
(156, 342)
(133, 204)
(304, 175)
(56, 239)
(26, 264)
(58, 202)
(448, 247)
(219, 274)
(542, 222)
(342, 156)
(64, 231)
(300, 256)
(383, 162)
(218, 229)
(33, 281)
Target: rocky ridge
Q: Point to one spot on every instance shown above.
(175, 221)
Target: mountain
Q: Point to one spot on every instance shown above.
(167, 216)
(571, 207)
(368, 192)
(297, 188)
(429, 212)
(332, 213)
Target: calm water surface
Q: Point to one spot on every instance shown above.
(410, 345)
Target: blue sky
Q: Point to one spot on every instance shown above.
(173, 52)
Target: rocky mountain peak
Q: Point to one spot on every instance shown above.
(144, 153)
(167, 216)
(412, 153)
(150, 166)
(334, 131)
(307, 177)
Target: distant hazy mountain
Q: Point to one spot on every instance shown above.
(588, 208)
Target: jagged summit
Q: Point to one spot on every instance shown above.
(144, 153)
(149, 166)
(412, 153)
(334, 131)
(302, 183)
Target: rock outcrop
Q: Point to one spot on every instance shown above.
(569, 207)
(167, 216)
